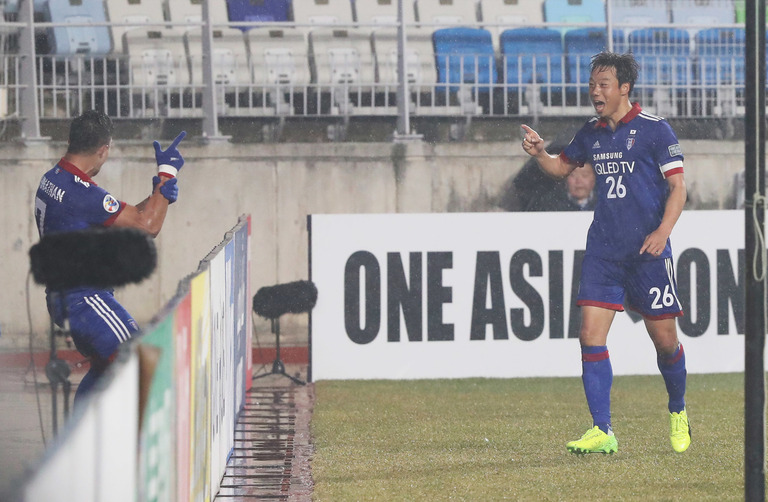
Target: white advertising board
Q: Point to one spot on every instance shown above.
(453, 295)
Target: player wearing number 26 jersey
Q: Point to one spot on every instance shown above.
(631, 167)
(641, 192)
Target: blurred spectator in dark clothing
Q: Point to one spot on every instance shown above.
(576, 193)
(530, 184)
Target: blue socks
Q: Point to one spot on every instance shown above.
(597, 376)
(673, 370)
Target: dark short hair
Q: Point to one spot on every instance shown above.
(89, 131)
(625, 65)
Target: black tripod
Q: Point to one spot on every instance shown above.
(278, 368)
(271, 302)
(58, 371)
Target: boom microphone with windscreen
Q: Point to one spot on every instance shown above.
(98, 258)
(296, 297)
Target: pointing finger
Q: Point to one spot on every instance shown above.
(178, 139)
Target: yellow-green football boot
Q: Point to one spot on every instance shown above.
(679, 431)
(594, 441)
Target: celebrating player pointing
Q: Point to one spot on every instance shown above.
(641, 191)
(67, 200)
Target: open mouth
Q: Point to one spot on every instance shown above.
(599, 106)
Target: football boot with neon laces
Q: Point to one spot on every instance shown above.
(679, 431)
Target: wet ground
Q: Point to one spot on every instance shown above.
(272, 451)
(26, 422)
(273, 448)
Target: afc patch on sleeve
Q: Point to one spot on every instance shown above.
(110, 204)
(675, 150)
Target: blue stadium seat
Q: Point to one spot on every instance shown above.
(465, 55)
(532, 55)
(69, 40)
(12, 6)
(574, 12)
(258, 11)
(580, 45)
(720, 56)
(663, 54)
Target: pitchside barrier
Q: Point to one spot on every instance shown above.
(405, 296)
(160, 427)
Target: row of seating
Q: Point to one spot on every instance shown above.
(538, 55)
(323, 49)
(497, 15)
(641, 12)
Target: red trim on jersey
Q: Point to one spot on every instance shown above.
(677, 170)
(112, 218)
(603, 305)
(73, 169)
(631, 114)
(593, 358)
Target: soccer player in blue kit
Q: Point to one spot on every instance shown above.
(641, 193)
(67, 200)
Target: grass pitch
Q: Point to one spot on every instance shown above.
(498, 439)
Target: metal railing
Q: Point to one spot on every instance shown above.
(351, 82)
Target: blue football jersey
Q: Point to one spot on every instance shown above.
(68, 200)
(631, 165)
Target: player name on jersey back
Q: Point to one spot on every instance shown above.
(52, 190)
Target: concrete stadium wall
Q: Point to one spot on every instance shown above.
(279, 185)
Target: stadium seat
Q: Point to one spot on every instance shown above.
(341, 56)
(322, 12)
(666, 68)
(230, 62)
(70, 40)
(446, 12)
(156, 53)
(12, 6)
(703, 12)
(500, 15)
(340, 53)
(566, 12)
(382, 12)
(663, 54)
(721, 68)
(465, 56)
(636, 14)
(532, 55)
(580, 45)
(420, 58)
(720, 56)
(263, 11)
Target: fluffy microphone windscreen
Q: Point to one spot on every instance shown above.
(293, 297)
(99, 258)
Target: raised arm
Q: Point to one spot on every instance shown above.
(552, 165)
(149, 214)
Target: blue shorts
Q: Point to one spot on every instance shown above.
(646, 286)
(97, 322)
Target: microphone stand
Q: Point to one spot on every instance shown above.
(57, 370)
(278, 368)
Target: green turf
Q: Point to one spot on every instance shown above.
(496, 439)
